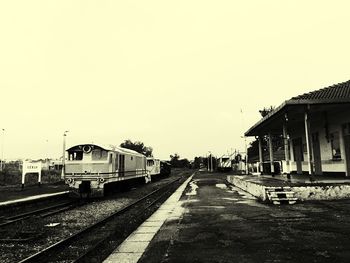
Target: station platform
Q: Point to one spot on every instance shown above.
(303, 187)
(193, 225)
(210, 220)
(15, 194)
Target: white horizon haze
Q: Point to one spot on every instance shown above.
(174, 75)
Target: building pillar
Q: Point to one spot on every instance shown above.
(286, 148)
(308, 142)
(271, 154)
(208, 163)
(342, 134)
(260, 155)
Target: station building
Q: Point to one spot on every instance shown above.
(315, 129)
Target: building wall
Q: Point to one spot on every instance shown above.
(335, 122)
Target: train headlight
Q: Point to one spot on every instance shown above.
(87, 149)
(101, 180)
(69, 181)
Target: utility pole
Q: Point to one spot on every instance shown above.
(245, 144)
(2, 149)
(47, 163)
(209, 168)
(211, 162)
(207, 162)
(246, 155)
(63, 175)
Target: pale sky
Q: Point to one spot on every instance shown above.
(172, 74)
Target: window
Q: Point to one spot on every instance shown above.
(99, 154)
(335, 144)
(75, 156)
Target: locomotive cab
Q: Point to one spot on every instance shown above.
(86, 167)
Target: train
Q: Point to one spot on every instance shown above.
(224, 163)
(157, 167)
(153, 166)
(91, 168)
(165, 168)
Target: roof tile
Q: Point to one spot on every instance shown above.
(337, 91)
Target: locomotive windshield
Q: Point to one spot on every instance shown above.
(87, 152)
(99, 154)
(75, 155)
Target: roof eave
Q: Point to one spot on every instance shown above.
(264, 119)
(318, 101)
(294, 102)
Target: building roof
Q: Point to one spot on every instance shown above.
(338, 93)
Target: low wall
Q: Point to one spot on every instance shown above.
(254, 189)
(307, 192)
(322, 192)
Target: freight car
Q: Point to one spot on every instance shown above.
(165, 168)
(90, 168)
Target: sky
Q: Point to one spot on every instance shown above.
(183, 77)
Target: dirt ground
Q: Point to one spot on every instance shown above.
(16, 192)
(221, 223)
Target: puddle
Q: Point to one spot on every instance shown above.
(221, 186)
(230, 198)
(251, 203)
(52, 224)
(212, 206)
(192, 200)
(288, 215)
(193, 190)
(230, 217)
(248, 197)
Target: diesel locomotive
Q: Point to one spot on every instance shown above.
(89, 168)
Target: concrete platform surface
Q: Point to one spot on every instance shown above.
(131, 250)
(218, 222)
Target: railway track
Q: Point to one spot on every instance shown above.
(42, 212)
(95, 242)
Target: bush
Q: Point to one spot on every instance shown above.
(14, 176)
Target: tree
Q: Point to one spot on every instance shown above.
(277, 140)
(197, 162)
(176, 162)
(266, 110)
(202, 161)
(138, 147)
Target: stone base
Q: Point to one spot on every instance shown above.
(322, 191)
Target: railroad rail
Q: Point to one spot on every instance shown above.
(89, 242)
(43, 212)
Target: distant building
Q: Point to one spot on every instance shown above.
(224, 163)
(56, 164)
(316, 132)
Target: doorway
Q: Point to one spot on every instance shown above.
(346, 134)
(298, 154)
(121, 165)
